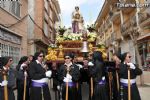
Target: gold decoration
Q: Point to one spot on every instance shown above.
(91, 48)
(102, 49)
(61, 55)
(52, 54)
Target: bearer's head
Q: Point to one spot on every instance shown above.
(126, 57)
(68, 58)
(39, 56)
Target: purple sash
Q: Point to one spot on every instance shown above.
(36, 84)
(102, 82)
(71, 84)
(126, 85)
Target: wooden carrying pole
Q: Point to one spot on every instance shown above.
(25, 83)
(117, 77)
(91, 87)
(67, 85)
(66, 90)
(110, 79)
(129, 85)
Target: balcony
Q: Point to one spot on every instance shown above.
(115, 16)
(107, 24)
(112, 38)
(133, 21)
(144, 18)
(128, 26)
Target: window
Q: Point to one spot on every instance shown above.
(12, 7)
(8, 50)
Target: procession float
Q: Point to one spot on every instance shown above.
(80, 43)
(78, 40)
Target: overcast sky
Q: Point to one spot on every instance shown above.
(88, 8)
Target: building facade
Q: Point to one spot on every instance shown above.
(42, 18)
(27, 26)
(13, 29)
(119, 21)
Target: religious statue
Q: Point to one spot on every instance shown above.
(77, 20)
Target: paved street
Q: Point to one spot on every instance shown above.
(144, 92)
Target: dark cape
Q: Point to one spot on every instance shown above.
(37, 72)
(72, 90)
(124, 89)
(100, 87)
(11, 84)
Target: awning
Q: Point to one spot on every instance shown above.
(146, 36)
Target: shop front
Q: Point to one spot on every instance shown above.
(144, 49)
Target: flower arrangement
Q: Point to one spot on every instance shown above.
(61, 30)
(52, 46)
(91, 28)
(73, 36)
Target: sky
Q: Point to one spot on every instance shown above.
(88, 8)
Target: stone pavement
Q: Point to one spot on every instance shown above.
(144, 92)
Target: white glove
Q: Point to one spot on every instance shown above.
(90, 64)
(25, 73)
(58, 87)
(48, 73)
(131, 65)
(22, 66)
(80, 66)
(4, 83)
(69, 76)
(67, 80)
